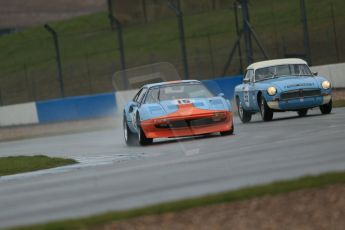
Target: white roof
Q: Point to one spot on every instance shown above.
(285, 61)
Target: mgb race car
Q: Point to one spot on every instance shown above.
(281, 85)
(175, 109)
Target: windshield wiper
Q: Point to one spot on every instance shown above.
(278, 76)
(309, 75)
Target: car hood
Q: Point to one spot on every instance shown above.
(294, 82)
(214, 103)
(149, 111)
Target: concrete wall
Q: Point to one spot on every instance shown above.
(335, 73)
(18, 114)
(122, 97)
(108, 104)
(224, 85)
(66, 109)
(76, 108)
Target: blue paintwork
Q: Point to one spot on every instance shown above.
(248, 92)
(153, 110)
(224, 85)
(76, 108)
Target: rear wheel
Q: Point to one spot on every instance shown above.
(243, 114)
(127, 133)
(326, 108)
(302, 112)
(143, 140)
(266, 112)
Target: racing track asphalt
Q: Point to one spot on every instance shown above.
(112, 176)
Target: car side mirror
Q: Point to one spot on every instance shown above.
(246, 81)
(131, 107)
(221, 95)
(315, 73)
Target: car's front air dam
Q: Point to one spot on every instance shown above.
(151, 131)
(299, 103)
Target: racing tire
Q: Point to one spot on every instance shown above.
(326, 108)
(129, 137)
(266, 112)
(229, 132)
(302, 112)
(143, 140)
(245, 116)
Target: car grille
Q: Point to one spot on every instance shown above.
(190, 123)
(300, 94)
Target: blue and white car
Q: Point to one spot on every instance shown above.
(281, 85)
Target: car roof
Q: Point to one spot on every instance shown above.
(285, 61)
(170, 83)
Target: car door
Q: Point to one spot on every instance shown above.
(252, 92)
(248, 90)
(137, 100)
(130, 107)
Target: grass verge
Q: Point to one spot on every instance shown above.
(176, 206)
(20, 164)
(339, 103)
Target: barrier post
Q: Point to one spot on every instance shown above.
(121, 48)
(180, 23)
(305, 32)
(58, 57)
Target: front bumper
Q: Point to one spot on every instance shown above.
(168, 128)
(299, 103)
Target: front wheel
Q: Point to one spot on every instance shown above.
(266, 112)
(243, 114)
(143, 140)
(326, 108)
(127, 133)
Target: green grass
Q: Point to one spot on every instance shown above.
(90, 55)
(339, 103)
(275, 188)
(20, 164)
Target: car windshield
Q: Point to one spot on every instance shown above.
(281, 71)
(178, 91)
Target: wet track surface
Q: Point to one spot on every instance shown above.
(112, 176)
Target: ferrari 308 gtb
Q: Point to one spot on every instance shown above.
(175, 109)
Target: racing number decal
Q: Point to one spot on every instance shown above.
(246, 95)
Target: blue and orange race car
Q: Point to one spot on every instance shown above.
(175, 109)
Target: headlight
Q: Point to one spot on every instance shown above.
(326, 84)
(271, 90)
(219, 116)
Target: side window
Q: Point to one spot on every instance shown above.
(249, 77)
(137, 95)
(152, 96)
(141, 95)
